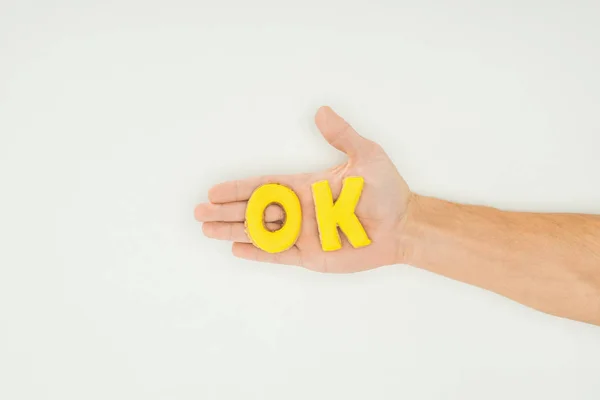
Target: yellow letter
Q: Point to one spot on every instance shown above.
(330, 215)
(283, 238)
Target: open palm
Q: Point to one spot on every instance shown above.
(381, 208)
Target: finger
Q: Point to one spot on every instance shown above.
(248, 251)
(241, 190)
(339, 133)
(232, 231)
(233, 212)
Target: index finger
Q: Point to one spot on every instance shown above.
(241, 190)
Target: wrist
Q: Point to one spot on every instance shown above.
(412, 230)
(405, 231)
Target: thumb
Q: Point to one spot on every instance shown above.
(339, 133)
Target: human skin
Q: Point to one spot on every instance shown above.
(550, 262)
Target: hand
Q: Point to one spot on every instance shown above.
(381, 210)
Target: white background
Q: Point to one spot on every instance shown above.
(117, 116)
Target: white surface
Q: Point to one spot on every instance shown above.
(116, 117)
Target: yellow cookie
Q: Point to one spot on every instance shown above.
(330, 215)
(283, 238)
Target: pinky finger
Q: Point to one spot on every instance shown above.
(250, 252)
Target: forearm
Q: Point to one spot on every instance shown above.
(550, 262)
